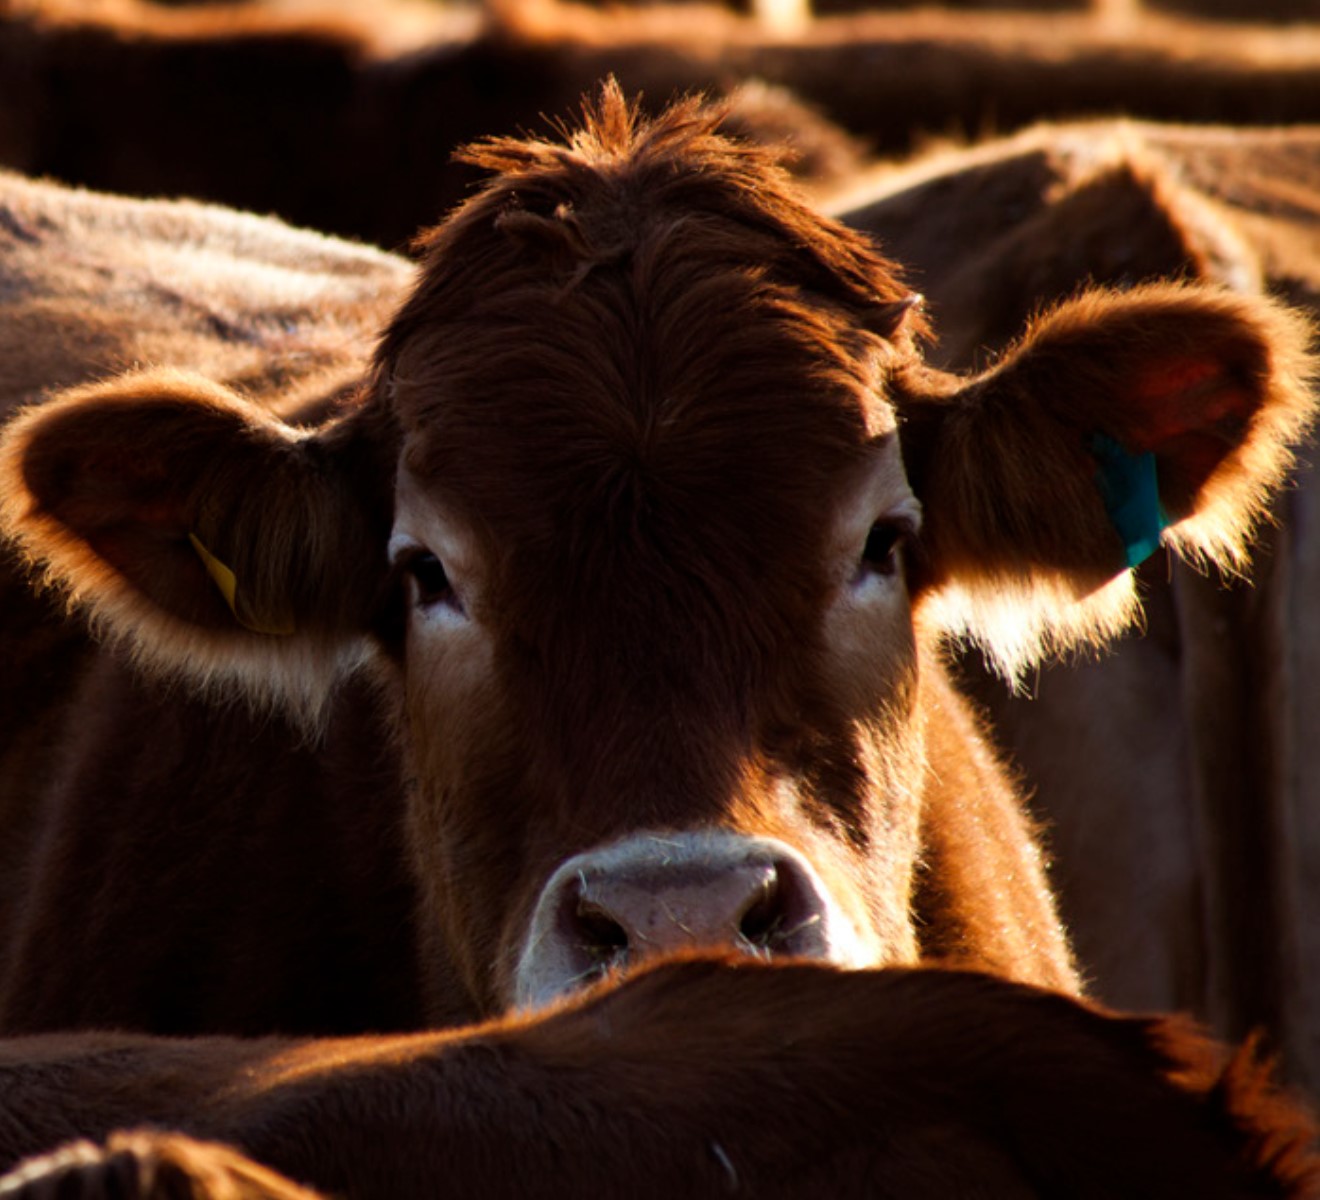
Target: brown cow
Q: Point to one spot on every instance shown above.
(642, 533)
(1186, 850)
(696, 1079)
(1253, 11)
(348, 127)
(1250, 11)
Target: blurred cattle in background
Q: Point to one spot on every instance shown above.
(348, 124)
(1188, 847)
(1246, 11)
(1234, 10)
(1284, 11)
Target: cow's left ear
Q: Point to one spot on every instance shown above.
(220, 545)
(1120, 421)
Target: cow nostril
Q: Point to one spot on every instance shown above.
(761, 925)
(784, 917)
(599, 934)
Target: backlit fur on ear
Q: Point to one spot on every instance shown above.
(111, 492)
(1025, 558)
(1236, 497)
(1217, 385)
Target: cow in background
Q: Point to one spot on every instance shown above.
(1246, 11)
(1186, 848)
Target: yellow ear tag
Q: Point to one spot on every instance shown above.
(227, 582)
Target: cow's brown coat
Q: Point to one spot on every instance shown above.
(696, 1079)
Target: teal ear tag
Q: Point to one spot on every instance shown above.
(1131, 494)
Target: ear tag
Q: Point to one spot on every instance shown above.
(1131, 493)
(227, 582)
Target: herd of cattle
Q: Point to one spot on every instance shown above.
(607, 698)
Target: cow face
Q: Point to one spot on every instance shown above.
(669, 518)
(658, 663)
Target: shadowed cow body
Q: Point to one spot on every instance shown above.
(697, 1079)
(639, 538)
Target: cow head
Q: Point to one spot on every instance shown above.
(650, 521)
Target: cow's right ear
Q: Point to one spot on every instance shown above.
(1166, 415)
(215, 541)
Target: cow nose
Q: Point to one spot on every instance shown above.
(647, 910)
(657, 893)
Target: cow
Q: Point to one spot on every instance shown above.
(1184, 853)
(1277, 11)
(1245, 11)
(347, 126)
(602, 616)
(693, 1078)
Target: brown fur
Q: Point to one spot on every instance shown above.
(794, 1081)
(641, 377)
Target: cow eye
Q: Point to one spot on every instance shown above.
(432, 583)
(880, 553)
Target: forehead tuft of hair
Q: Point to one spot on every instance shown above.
(591, 197)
